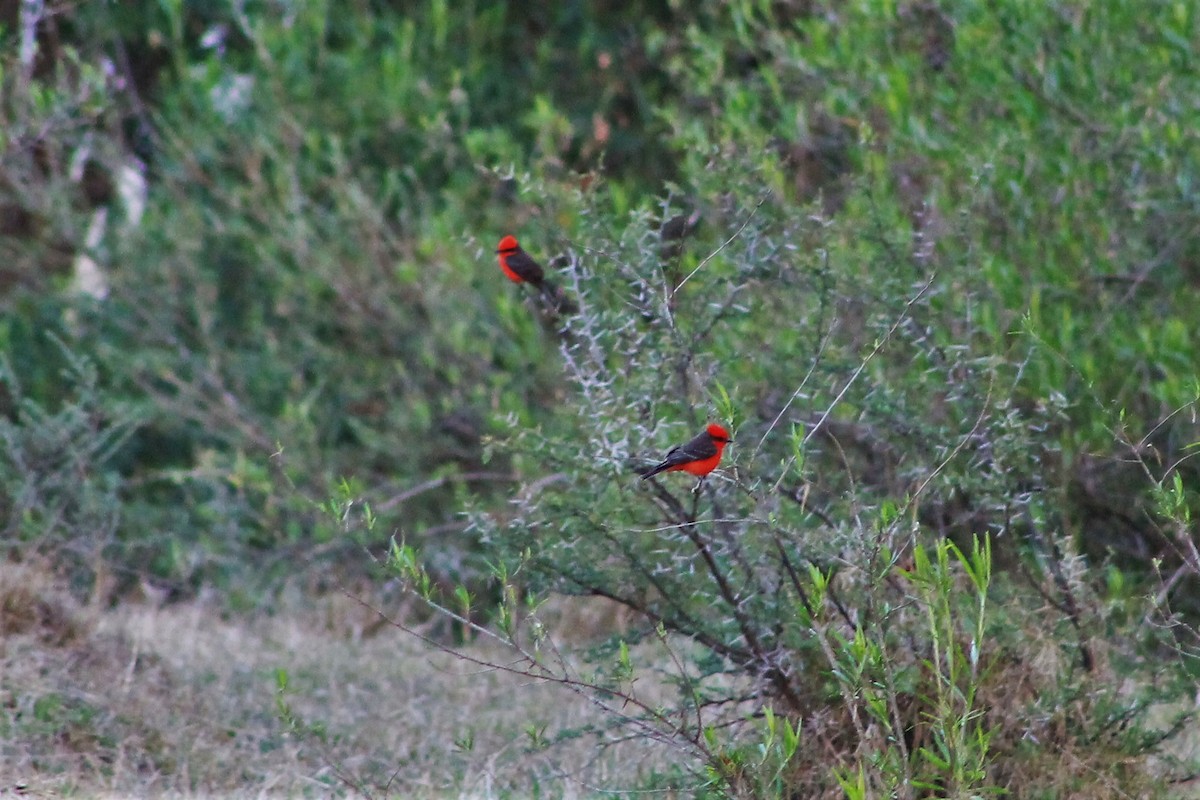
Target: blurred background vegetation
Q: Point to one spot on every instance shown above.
(939, 256)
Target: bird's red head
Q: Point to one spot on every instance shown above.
(508, 244)
(719, 434)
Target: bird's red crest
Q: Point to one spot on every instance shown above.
(718, 433)
(509, 242)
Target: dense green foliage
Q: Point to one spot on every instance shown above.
(941, 284)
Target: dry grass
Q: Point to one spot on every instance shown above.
(182, 702)
(179, 701)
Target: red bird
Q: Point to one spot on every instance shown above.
(698, 457)
(520, 267)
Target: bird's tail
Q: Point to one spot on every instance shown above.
(650, 473)
(557, 299)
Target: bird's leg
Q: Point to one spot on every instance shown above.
(699, 486)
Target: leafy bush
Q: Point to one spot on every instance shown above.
(810, 583)
(61, 486)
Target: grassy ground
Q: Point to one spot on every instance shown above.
(177, 701)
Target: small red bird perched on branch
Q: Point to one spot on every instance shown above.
(698, 457)
(520, 267)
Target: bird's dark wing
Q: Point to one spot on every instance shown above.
(521, 263)
(697, 449)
